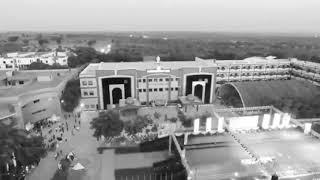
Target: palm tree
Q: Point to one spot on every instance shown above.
(18, 149)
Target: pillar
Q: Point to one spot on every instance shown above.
(276, 120)
(208, 124)
(220, 124)
(196, 124)
(170, 144)
(266, 121)
(185, 140)
(286, 120)
(307, 128)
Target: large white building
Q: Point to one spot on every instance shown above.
(104, 84)
(21, 60)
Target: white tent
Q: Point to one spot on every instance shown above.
(54, 118)
(78, 166)
(29, 126)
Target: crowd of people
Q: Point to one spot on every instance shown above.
(56, 132)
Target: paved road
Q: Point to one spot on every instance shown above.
(85, 147)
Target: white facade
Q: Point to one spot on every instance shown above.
(23, 60)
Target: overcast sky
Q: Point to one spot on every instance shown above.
(291, 16)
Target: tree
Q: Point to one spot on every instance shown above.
(91, 42)
(40, 65)
(42, 42)
(25, 41)
(13, 38)
(137, 125)
(27, 149)
(107, 124)
(71, 95)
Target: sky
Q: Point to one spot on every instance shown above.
(285, 16)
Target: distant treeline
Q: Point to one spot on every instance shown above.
(133, 49)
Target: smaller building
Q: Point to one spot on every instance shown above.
(22, 60)
(34, 94)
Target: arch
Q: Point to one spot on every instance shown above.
(198, 91)
(233, 86)
(116, 95)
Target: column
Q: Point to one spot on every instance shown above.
(170, 143)
(276, 120)
(185, 140)
(203, 91)
(220, 124)
(147, 90)
(208, 124)
(266, 121)
(169, 88)
(196, 124)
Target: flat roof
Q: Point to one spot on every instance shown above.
(220, 161)
(6, 110)
(293, 153)
(36, 85)
(140, 65)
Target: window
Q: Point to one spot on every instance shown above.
(160, 89)
(92, 106)
(155, 80)
(90, 83)
(160, 79)
(84, 83)
(155, 89)
(36, 101)
(150, 89)
(171, 79)
(144, 80)
(87, 106)
(139, 80)
(21, 82)
(177, 79)
(91, 93)
(167, 79)
(85, 93)
(171, 89)
(150, 80)
(140, 90)
(177, 89)
(167, 89)
(39, 111)
(144, 90)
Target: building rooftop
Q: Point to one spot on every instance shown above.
(91, 68)
(36, 85)
(6, 110)
(253, 60)
(290, 153)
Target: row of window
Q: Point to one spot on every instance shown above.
(88, 93)
(87, 83)
(92, 106)
(255, 67)
(158, 89)
(39, 111)
(253, 74)
(158, 79)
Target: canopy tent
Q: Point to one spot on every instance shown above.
(77, 167)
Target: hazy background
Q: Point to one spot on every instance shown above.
(292, 16)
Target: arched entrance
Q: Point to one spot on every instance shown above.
(116, 95)
(198, 89)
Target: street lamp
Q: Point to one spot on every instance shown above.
(82, 105)
(62, 101)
